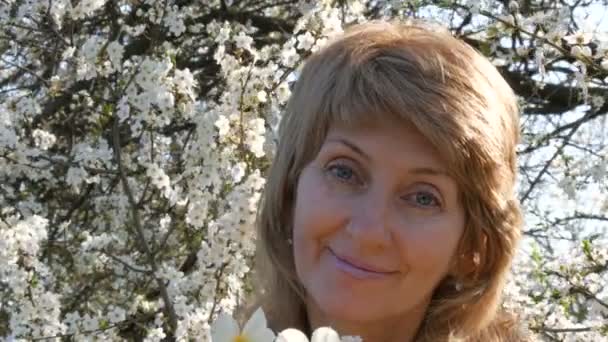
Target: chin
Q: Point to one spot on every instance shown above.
(343, 307)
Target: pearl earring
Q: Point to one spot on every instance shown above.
(458, 286)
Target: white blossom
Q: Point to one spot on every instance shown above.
(238, 171)
(174, 21)
(243, 41)
(579, 51)
(225, 329)
(223, 125)
(116, 315)
(44, 140)
(87, 7)
(115, 51)
(578, 38)
(290, 57)
(305, 41)
(184, 81)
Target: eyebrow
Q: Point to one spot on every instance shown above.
(430, 171)
(418, 170)
(352, 146)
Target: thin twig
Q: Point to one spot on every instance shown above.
(45, 82)
(138, 231)
(550, 161)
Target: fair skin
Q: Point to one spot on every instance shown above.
(377, 222)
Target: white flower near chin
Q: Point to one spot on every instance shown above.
(226, 329)
(291, 335)
(323, 334)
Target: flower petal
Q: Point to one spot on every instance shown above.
(351, 339)
(325, 334)
(262, 335)
(291, 335)
(256, 322)
(224, 329)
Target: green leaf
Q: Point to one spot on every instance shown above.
(108, 108)
(492, 32)
(34, 281)
(587, 248)
(536, 256)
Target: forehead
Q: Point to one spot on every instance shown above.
(392, 141)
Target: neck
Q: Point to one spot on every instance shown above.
(402, 328)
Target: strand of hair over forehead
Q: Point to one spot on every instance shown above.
(372, 82)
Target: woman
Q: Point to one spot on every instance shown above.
(389, 211)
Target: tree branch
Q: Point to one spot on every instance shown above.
(138, 231)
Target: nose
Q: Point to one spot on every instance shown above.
(369, 221)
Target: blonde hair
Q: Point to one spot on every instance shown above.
(458, 100)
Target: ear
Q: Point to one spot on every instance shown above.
(465, 264)
(459, 264)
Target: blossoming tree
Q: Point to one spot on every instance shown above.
(135, 135)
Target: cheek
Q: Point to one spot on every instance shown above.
(317, 216)
(431, 246)
(317, 211)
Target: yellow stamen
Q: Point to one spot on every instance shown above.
(240, 338)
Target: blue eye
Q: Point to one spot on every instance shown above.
(342, 172)
(424, 199)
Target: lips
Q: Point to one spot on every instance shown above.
(357, 268)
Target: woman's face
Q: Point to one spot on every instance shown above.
(376, 223)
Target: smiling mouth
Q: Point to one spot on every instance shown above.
(356, 270)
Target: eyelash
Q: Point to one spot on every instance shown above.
(337, 166)
(434, 199)
(331, 169)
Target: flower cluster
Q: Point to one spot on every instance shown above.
(226, 329)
